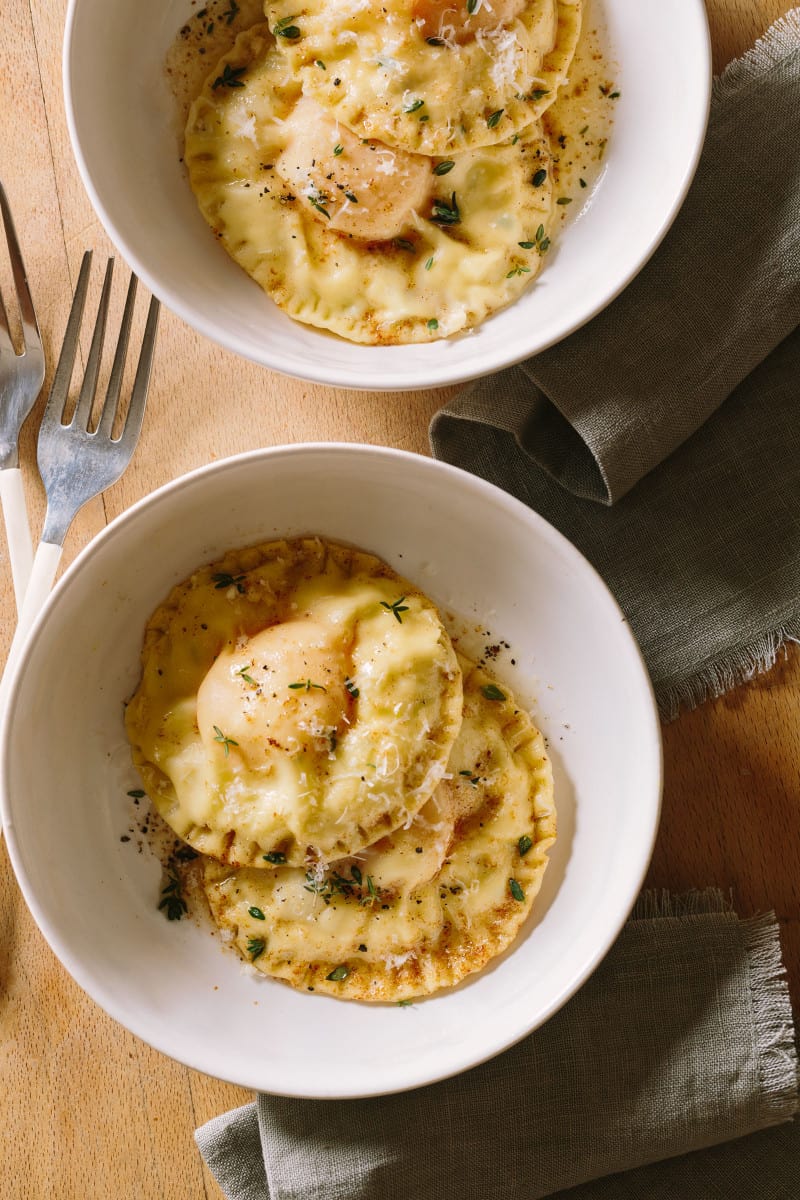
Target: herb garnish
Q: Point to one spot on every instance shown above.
(319, 63)
(472, 6)
(172, 901)
(396, 607)
(243, 674)
(517, 271)
(564, 200)
(538, 94)
(306, 685)
(276, 857)
(230, 77)
(338, 974)
(256, 913)
(539, 177)
(285, 29)
(337, 884)
(337, 149)
(492, 692)
(494, 118)
(351, 688)
(474, 779)
(516, 891)
(413, 106)
(404, 1003)
(315, 201)
(436, 41)
(524, 844)
(223, 580)
(444, 213)
(352, 197)
(226, 741)
(231, 12)
(583, 183)
(444, 167)
(256, 947)
(137, 793)
(429, 263)
(433, 324)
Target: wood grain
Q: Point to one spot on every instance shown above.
(87, 1109)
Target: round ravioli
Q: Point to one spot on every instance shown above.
(427, 904)
(433, 76)
(375, 244)
(298, 699)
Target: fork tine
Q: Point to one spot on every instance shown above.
(133, 421)
(59, 389)
(30, 326)
(83, 409)
(115, 380)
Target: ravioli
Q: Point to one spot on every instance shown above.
(426, 75)
(298, 700)
(427, 904)
(444, 242)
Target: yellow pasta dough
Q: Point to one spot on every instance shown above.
(444, 242)
(430, 902)
(431, 76)
(298, 699)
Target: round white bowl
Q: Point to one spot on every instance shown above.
(66, 767)
(121, 128)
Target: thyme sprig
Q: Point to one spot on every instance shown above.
(230, 77)
(172, 901)
(395, 608)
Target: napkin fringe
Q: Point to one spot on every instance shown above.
(659, 903)
(773, 1024)
(728, 672)
(772, 1018)
(780, 38)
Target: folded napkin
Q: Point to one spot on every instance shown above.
(680, 1040)
(662, 439)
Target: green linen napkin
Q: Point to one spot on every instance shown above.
(680, 1040)
(619, 435)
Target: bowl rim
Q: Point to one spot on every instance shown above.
(442, 370)
(651, 749)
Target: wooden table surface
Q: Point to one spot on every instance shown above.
(87, 1110)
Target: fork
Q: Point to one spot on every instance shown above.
(76, 464)
(21, 379)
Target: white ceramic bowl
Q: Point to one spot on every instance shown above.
(66, 767)
(119, 121)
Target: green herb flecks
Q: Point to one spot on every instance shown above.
(316, 201)
(319, 63)
(396, 608)
(433, 324)
(404, 244)
(172, 902)
(404, 1003)
(231, 12)
(538, 94)
(472, 6)
(352, 197)
(517, 271)
(222, 580)
(335, 884)
(338, 974)
(436, 41)
(429, 263)
(444, 213)
(285, 29)
(306, 685)
(137, 793)
(413, 106)
(256, 947)
(539, 177)
(492, 692)
(230, 77)
(564, 200)
(474, 779)
(338, 149)
(256, 913)
(524, 844)
(516, 891)
(583, 183)
(444, 167)
(226, 742)
(494, 119)
(276, 857)
(351, 688)
(244, 674)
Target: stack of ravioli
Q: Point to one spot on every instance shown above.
(372, 810)
(379, 167)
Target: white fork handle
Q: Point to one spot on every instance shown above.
(43, 572)
(18, 533)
